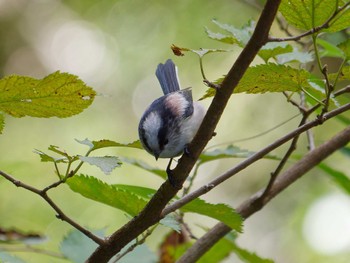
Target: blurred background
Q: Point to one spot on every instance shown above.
(115, 46)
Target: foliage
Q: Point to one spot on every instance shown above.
(285, 68)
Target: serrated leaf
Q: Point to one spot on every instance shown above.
(2, 122)
(269, 78)
(58, 94)
(94, 145)
(340, 22)
(295, 56)
(316, 93)
(47, 158)
(221, 212)
(204, 51)
(247, 256)
(307, 14)
(77, 247)
(106, 163)
(339, 177)
(160, 172)
(328, 49)
(230, 151)
(111, 195)
(236, 36)
(272, 49)
(272, 78)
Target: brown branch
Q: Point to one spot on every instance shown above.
(255, 157)
(151, 214)
(313, 30)
(249, 207)
(60, 214)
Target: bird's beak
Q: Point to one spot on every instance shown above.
(156, 155)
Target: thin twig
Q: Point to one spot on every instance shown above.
(313, 30)
(249, 207)
(255, 157)
(60, 214)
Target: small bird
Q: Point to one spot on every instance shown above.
(169, 124)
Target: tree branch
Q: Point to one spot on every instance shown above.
(251, 206)
(255, 157)
(152, 212)
(60, 214)
(313, 30)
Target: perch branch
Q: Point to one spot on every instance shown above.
(251, 206)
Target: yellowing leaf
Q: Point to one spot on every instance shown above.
(272, 78)
(307, 14)
(58, 94)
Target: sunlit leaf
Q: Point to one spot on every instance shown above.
(59, 94)
(94, 145)
(111, 195)
(272, 49)
(340, 22)
(230, 151)
(339, 177)
(106, 163)
(221, 212)
(77, 247)
(307, 14)
(272, 78)
(269, 78)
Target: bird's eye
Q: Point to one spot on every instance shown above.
(166, 141)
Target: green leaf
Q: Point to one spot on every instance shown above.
(328, 49)
(340, 22)
(346, 150)
(339, 177)
(2, 122)
(247, 256)
(111, 195)
(106, 163)
(344, 74)
(295, 56)
(59, 94)
(269, 78)
(95, 145)
(230, 151)
(235, 36)
(221, 212)
(307, 14)
(47, 158)
(272, 49)
(76, 246)
(272, 78)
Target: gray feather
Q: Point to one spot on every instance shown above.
(167, 77)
